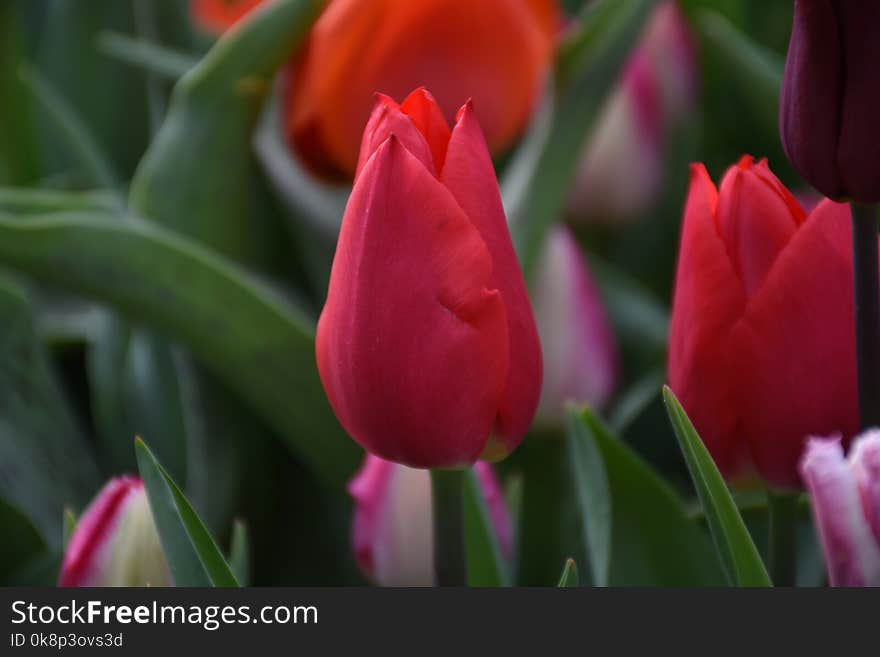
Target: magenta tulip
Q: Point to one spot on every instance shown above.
(115, 542)
(392, 532)
(845, 494)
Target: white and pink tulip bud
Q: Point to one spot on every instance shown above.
(577, 341)
(621, 171)
(845, 494)
(115, 542)
(392, 530)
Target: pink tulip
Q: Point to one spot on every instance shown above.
(115, 542)
(578, 346)
(621, 172)
(846, 505)
(392, 530)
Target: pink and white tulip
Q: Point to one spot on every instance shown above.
(115, 542)
(392, 531)
(578, 346)
(621, 171)
(845, 493)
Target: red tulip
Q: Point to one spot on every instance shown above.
(217, 16)
(761, 351)
(427, 346)
(115, 542)
(392, 533)
(497, 52)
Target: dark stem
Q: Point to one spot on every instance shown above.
(782, 550)
(449, 559)
(867, 307)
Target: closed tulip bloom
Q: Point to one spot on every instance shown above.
(621, 172)
(577, 343)
(761, 352)
(392, 532)
(845, 494)
(426, 346)
(497, 52)
(216, 16)
(831, 97)
(115, 542)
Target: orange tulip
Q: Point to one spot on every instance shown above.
(496, 52)
(218, 15)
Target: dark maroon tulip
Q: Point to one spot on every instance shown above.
(829, 115)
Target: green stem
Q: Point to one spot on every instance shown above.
(867, 308)
(783, 537)
(449, 558)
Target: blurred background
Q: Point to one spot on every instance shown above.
(94, 134)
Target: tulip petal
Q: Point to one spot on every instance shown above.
(851, 554)
(578, 347)
(422, 108)
(388, 119)
(865, 456)
(94, 531)
(412, 345)
(449, 46)
(497, 507)
(757, 217)
(810, 115)
(469, 175)
(708, 300)
(859, 145)
(797, 377)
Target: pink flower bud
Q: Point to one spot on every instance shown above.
(846, 505)
(115, 542)
(621, 171)
(392, 531)
(578, 346)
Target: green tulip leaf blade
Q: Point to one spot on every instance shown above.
(238, 327)
(653, 541)
(569, 577)
(736, 550)
(485, 564)
(192, 554)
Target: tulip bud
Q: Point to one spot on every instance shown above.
(760, 349)
(115, 542)
(830, 102)
(621, 171)
(392, 532)
(357, 48)
(426, 346)
(577, 343)
(216, 16)
(846, 506)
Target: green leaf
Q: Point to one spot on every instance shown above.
(485, 565)
(68, 526)
(569, 577)
(45, 461)
(20, 152)
(593, 496)
(589, 67)
(23, 200)
(240, 552)
(134, 389)
(192, 554)
(756, 71)
(71, 128)
(250, 338)
(21, 541)
(147, 55)
(653, 541)
(200, 175)
(739, 557)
